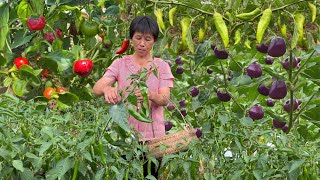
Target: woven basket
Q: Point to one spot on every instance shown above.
(171, 143)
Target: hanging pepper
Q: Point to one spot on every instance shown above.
(159, 15)
(138, 116)
(313, 10)
(263, 24)
(124, 46)
(75, 169)
(172, 13)
(299, 21)
(249, 15)
(202, 32)
(283, 28)
(185, 25)
(35, 24)
(221, 28)
(237, 36)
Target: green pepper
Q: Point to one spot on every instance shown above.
(144, 93)
(172, 13)
(299, 21)
(283, 28)
(101, 152)
(313, 10)
(138, 116)
(159, 15)
(248, 15)
(89, 28)
(237, 37)
(25, 132)
(263, 24)
(221, 28)
(185, 25)
(75, 169)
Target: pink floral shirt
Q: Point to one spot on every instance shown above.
(121, 69)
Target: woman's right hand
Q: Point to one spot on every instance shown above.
(111, 95)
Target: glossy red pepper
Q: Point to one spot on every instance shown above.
(44, 73)
(19, 61)
(35, 24)
(83, 67)
(49, 36)
(124, 47)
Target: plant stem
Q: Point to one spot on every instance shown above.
(305, 62)
(305, 105)
(291, 92)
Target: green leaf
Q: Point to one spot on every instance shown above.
(18, 165)
(99, 174)
(19, 87)
(201, 52)
(38, 6)
(20, 39)
(4, 28)
(3, 60)
(241, 80)
(295, 165)
(60, 169)
(24, 10)
(44, 147)
(160, 44)
(295, 37)
(247, 121)
(119, 115)
(223, 118)
(61, 61)
(27, 174)
(28, 72)
(112, 10)
(68, 98)
(189, 40)
(83, 93)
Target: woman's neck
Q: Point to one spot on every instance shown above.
(142, 60)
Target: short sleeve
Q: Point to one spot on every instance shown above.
(165, 76)
(113, 70)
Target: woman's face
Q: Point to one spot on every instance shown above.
(142, 43)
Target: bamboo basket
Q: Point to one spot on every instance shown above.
(171, 143)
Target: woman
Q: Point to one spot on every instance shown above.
(144, 32)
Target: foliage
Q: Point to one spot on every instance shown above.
(47, 138)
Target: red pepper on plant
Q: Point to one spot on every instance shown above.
(44, 73)
(49, 36)
(83, 67)
(124, 46)
(58, 33)
(35, 24)
(48, 92)
(19, 61)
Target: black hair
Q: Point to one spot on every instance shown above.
(144, 24)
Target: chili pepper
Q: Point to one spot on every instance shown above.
(202, 32)
(159, 15)
(92, 151)
(248, 15)
(237, 37)
(36, 23)
(247, 43)
(221, 28)
(127, 174)
(75, 170)
(172, 13)
(299, 21)
(25, 132)
(138, 116)
(124, 46)
(57, 154)
(313, 10)
(263, 24)
(149, 166)
(101, 152)
(144, 93)
(283, 28)
(185, 25)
